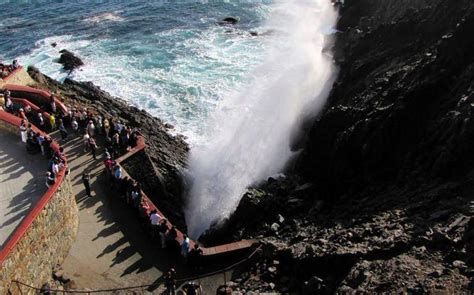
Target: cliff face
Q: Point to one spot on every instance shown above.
(381, 198)
(400, 111)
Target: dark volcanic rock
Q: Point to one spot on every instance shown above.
(69, 61)
(389, 159)
(402, 103)
(230, 20)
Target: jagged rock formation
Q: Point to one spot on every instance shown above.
(380, 199)
(69, 61)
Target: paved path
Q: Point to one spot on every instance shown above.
(22, 182)
(112, 250)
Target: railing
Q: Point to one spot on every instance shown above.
(39, 206)
(35, 93)
(142, 288)
(207, 251)
(24, 102)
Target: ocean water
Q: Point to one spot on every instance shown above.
(168, 57)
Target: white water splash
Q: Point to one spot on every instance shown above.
(106, 16)
(253, 128)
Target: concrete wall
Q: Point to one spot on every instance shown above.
(43, 239)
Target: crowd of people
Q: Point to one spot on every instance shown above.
(117, 138)
(36, 142)
(7, 69)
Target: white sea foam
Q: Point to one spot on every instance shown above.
(106, 16)
(253, 126)
(180, 75)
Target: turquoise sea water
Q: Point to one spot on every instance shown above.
(168, 57)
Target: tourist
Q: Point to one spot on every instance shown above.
(162, 229)
(155, 218)
(116, 144)
(8, 103)
(106, 127)
(170, 282)
(117, 173)
(143, 212)
(154, 222)
(52, 104)
(91, 128)
(109, 164)
(98, 124)
(15, 65)
(185, 247)
(23, 134)
(62, 130)
(60, 156)
(55, 167)
(52, 122)
(136, 197)
(85, 139)
(171, 236)
(48, 152)
(22, 114)
(93, 147)
(195, 256)
(50, 179)
(40, 139)
(86, 181)
(74, 125)
(192, 288)
(40, 121)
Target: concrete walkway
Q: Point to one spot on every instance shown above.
(112, 250)
(22, 182)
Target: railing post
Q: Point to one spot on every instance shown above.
(19, 287)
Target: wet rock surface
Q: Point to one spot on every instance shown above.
(159, 168)
(381, 198)
(69, 61)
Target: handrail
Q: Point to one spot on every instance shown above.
(207, 251)
(34, 107)
(43, 94)
(28, 220)
(182, 280)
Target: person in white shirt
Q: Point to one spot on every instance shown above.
(155, 218)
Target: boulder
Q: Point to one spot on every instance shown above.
(69, 61)
(229, 20)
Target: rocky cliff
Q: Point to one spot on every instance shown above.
(380, 199)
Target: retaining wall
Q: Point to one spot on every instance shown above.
(46, 233)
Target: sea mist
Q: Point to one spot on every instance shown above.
(252, 129)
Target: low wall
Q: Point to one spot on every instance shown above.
(45, 235)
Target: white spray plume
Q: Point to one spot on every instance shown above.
(253, 128)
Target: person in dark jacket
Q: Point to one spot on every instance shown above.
(86, 181)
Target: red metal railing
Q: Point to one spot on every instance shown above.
(207, 251)
(39, 206)
(41, 94)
